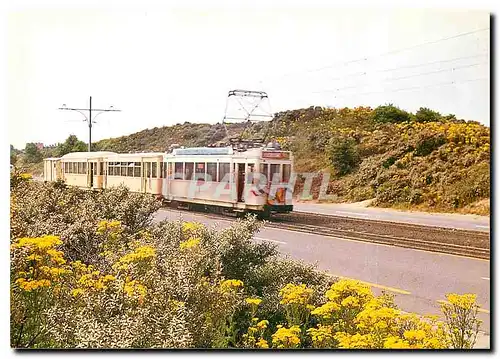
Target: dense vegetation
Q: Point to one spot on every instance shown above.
(92, 270)
(422, 161)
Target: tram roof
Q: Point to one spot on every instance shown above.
(90, 155)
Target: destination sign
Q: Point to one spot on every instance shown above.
(276, 155)
(203, 151)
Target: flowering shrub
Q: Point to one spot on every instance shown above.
(183, 285)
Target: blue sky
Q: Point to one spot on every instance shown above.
(174, 65)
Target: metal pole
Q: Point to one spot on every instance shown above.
(89, 119)
(90, 125)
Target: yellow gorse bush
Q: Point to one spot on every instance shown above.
(44, 265)
(287, 337)
(191, 227)
(253, 301)
(229, 285)
(142, 253)
(295, 294)
(190, 243)
(465, 301)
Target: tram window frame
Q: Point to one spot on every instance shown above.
(130, 169)
(250, 170)
(271, 173)
(188, 166)
(200, 171)
(95, 168)
(154, 167)
(224, 169)
(288, 172)
(137, 169)
(264, 169)
(178, 173)
(123, 169)
(165, 169)
(211, 170)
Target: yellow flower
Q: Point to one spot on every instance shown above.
(295, 294)
(76, 292)
(465, 301)
(287, 337)
(190, 243)
(356, 341)
(262, 324)
(394, 342)
(40, 243)
(135, 288)
(188, 227)
(139, 254)
(29, 285)
(231, 284)
(262, 343)
(326, 311)
(253, 301)
(322, 337)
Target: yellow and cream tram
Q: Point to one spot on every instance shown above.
(254, 180)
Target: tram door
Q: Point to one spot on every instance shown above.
(240, 180)
(146, 177)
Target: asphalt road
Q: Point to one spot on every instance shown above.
(448, 220)
(418, 279)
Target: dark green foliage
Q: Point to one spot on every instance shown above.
(427, 115)
(343, 155)
(32, 154)
(390, 113)
(72, 144)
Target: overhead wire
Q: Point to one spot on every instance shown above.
(405, 77)
(385, 53)
(413, 87)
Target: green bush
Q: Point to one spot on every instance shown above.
(343, 155)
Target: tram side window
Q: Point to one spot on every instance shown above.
(224, 170)
(101, 168)
(200, 171)
(153, 169)
(164, 170)
(178, 170)
(188, 170)
(287, 170)
(263, 170)
(123, 168)
(161, 171)
(130, 169)
(275, 170)
(137, 169)
(250, 178)
(95, 168)
(211, 171)
(111, 169)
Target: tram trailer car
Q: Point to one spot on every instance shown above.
(255, 180)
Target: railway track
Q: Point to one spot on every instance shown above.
(436, 239)
(447, 248)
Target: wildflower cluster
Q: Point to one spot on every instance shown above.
(230, 285)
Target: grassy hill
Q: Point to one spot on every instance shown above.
(422, 161)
